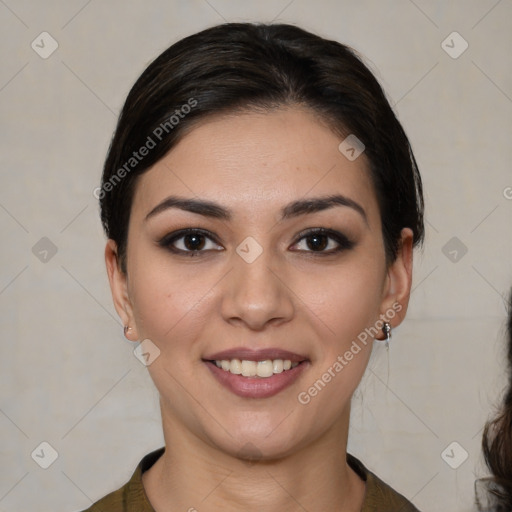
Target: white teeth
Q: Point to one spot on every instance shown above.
(235, 366)
(265, 369)
(278, 366)
(261, 369)
(249, 368)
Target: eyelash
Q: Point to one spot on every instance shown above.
(344, 243)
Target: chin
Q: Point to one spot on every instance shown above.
(258, 438)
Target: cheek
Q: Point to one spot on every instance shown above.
(165, 300)
(343, 306)
(346, 300)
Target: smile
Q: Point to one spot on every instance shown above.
(256, 373)
(262, 369)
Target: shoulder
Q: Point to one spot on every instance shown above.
(379, 496)
(131, 497)
(113, 502)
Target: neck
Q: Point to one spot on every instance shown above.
(193, 475)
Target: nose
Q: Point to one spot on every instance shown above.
(256, 294)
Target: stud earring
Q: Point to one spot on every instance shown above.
(126, 330)
(386, 329)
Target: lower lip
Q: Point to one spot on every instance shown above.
(256, 387)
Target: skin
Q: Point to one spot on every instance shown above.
(291, 297)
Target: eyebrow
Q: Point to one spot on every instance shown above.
(294, 209)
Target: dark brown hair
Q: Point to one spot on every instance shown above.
(497, 441)
(245, 66)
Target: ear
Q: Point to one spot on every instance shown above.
(119, 288)
(397, 287)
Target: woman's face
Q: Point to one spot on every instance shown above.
(256, 239)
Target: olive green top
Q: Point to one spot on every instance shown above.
(379, 497)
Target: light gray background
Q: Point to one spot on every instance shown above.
(67, 375)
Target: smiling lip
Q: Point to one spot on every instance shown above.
(256, 355)
(256, 387)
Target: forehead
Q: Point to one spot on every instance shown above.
(257, 160)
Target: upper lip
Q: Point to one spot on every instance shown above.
(255, 355)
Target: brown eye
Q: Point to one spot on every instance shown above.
(317, 242)
(190, 242)
(322, 241)
(194, 242)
